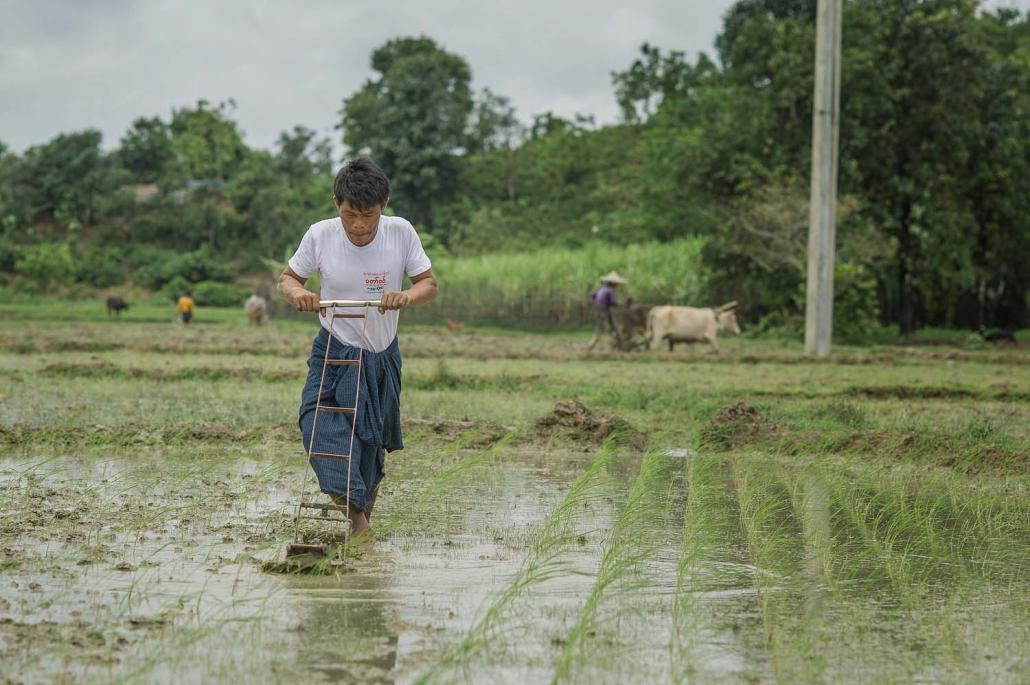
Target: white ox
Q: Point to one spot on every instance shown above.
(690, 324)
(257, 310)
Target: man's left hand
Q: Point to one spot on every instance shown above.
(393, 299)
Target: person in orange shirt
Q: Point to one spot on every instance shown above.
(184, 308)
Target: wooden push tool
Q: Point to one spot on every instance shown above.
(334, 513)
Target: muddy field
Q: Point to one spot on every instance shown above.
(557, 515)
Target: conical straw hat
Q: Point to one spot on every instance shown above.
(613, 277)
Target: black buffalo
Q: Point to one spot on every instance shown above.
(116, 305)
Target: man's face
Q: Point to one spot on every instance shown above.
(360, 224)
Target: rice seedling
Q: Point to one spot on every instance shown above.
(711, 535)
(544, 561)
(773, 532)
(640, 530)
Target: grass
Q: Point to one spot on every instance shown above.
(553, 285)
(861, 518)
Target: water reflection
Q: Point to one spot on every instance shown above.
(346, 633)
(815, 514)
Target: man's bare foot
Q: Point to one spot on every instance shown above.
(358, 523)
(358, 518)
(371, 504)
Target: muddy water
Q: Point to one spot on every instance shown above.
(168, 586)
(702, 570)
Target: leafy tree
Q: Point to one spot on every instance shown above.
(146, 149)
(412, 118)
(651, 78)
(912, 71)
(70, 179)
(13, 207)
(493, 124)
(302, 154)
(206, 142)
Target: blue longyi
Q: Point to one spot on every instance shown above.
(378, 416)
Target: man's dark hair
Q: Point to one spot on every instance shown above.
(362, 184)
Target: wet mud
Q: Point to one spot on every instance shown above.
(537, 564)
(573, 420)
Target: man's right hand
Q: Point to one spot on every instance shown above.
(305, 300)
(293, 291)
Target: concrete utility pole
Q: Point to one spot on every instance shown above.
(822, 219)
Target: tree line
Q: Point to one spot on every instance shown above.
(934, 170)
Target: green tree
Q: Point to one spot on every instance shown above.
(146, 149)
(206, 142)
(493, 124)
(912, 71)
(302, 154)
(70, 179)
(46, 266)
(642, 87)
(412, 118)
(14, 209)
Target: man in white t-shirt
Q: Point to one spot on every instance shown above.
(359, 255)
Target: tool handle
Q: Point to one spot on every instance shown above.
(348, 303)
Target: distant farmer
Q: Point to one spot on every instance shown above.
(359, 255)
(604, 302)
(184, 307)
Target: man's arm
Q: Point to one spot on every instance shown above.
(423, 289)
(291, 286)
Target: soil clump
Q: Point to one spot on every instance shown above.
(736, 424)
(574, 420)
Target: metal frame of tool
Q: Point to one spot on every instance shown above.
(331, 306)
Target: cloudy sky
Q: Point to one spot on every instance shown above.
(66, 65)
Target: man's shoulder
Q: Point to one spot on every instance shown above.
(324, 226)
(397, 223)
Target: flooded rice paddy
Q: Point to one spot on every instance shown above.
(691, 521)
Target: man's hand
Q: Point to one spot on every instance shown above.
(394, 299)
(293, 291)
(304, 300)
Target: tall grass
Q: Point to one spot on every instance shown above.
(555, 284)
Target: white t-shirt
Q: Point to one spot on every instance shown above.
(349, 272)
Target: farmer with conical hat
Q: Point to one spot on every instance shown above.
(604, 301)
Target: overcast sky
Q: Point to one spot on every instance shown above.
(66, 65)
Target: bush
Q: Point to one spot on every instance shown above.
(8, 257)
(101, 267)
(214, 294)
(194, 267)
(855, 305)
(174, 289)
(45, 266)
